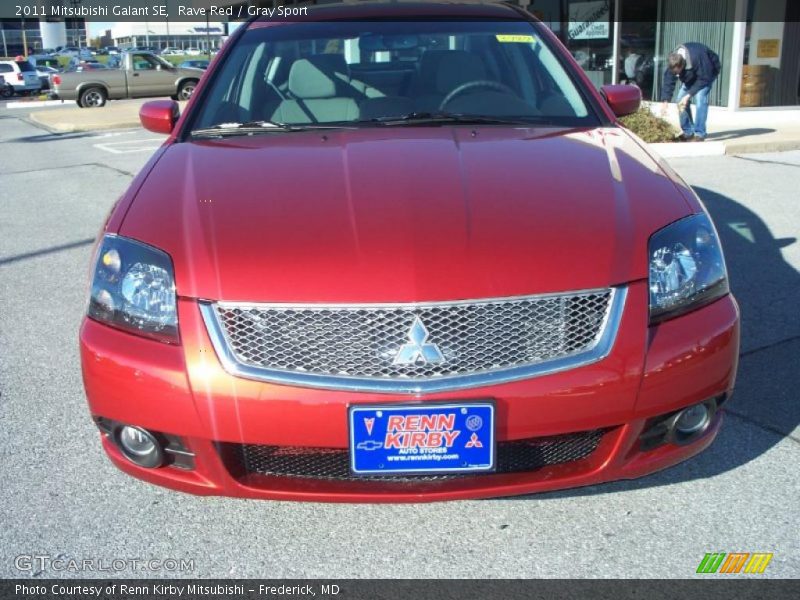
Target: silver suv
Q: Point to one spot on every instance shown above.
(21, 75)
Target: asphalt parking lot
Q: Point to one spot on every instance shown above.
(60, 496)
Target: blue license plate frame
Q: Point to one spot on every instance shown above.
(380, 445)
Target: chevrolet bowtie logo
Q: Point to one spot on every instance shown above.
(418, 350)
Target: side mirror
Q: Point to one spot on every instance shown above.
(623, 99)
(159, 116)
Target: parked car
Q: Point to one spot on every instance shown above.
(139, 75)
(46, 60)
(46, 66)
(455, 276)
(6, 90)
(21, 75)
(82, 66)
(192, 52)
(171, 52)
(68, 51)
(194, 64)
(109, 51)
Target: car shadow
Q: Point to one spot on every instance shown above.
(763, 410)
(738, 133)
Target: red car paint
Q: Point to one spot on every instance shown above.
(410, 215)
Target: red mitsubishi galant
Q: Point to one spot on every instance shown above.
(399, 253)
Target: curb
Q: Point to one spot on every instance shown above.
(66, 127)
(689, 149)
(722, 148)
(756, 147)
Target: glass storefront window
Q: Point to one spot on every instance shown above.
(590, 37)
(637, 45)
(771, 65)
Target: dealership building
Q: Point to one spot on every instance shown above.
(39, 34)
(615, 41)
(169, 34)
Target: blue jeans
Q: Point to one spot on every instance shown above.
(696, 126)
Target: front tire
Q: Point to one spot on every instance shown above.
(93, 97)
(186, 89)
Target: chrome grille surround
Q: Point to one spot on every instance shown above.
(353, 346)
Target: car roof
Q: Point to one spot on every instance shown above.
(414, 8)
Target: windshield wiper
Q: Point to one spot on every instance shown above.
(416, 118)
(251, 127)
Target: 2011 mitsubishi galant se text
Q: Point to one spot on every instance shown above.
(401, 252)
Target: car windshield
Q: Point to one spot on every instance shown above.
(369, 73)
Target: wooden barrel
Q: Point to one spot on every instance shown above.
(755, 83)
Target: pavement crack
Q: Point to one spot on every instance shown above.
(45, 251)
(91, 164)
(762, 426)
(769, 346)
(766, 162)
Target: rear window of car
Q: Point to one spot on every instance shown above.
(24, 66)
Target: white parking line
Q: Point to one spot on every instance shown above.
(131, 146)
(36, 104)
(116, 133)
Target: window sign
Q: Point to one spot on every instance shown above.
(590, 20)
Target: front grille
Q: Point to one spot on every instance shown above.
(334, 464)
(409, 343)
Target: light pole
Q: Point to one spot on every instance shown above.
(169, 42)
(24, 40)
(75, 4)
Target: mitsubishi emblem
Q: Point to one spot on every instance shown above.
(418, 350)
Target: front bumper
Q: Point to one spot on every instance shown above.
(184, 392)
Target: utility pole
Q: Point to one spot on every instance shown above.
(75, 3)
(208, 37)
(24, 40)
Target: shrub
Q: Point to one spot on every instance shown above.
(649, 127)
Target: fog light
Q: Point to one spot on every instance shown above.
(140, 446)
(693, 419)
(692, 422)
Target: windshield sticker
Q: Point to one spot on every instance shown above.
(507, 38)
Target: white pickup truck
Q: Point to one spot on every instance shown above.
(138, 75)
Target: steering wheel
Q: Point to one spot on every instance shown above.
(471, 85)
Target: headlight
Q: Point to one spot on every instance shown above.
(687, 269)
(133, 288)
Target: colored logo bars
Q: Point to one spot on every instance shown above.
(737, 562)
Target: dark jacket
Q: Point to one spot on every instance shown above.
(705, 68)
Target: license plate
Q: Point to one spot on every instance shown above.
(422, 438)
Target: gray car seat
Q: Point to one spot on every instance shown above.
(314, 97)
(335, 66)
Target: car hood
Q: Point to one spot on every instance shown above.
(404, 214)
